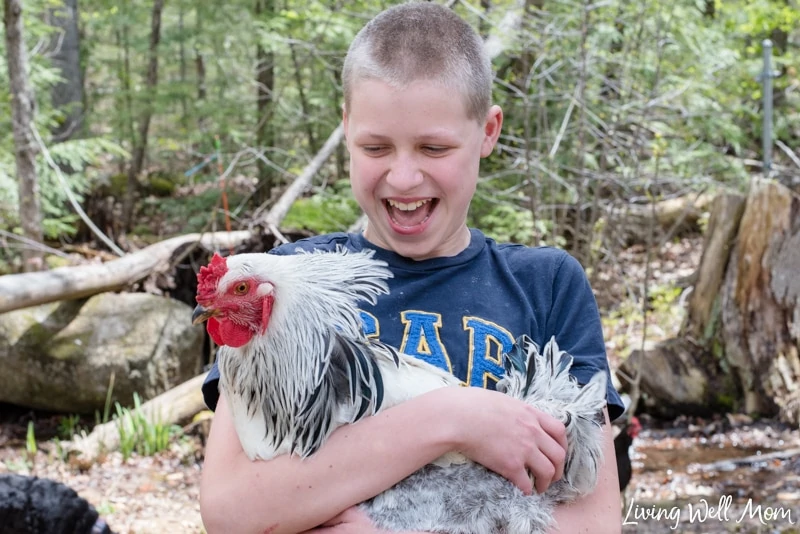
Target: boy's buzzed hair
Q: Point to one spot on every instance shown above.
(421, 41)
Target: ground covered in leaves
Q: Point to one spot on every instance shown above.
(729, 474)
(138, 495)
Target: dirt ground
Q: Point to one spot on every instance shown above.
(690, 475)
(140, 495)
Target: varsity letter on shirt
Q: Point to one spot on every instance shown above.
(487, 344)
(421, 338)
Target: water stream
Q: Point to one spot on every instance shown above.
(714, 477)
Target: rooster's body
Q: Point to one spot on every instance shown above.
(295, 365)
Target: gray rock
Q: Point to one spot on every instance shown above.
(61, 356)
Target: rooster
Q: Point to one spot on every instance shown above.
(33, 505)
(622, 448)
(294, 365)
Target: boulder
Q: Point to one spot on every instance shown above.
(64, 355)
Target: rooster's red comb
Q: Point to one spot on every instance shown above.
(209, 276)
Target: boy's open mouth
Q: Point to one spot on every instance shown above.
(412, 213)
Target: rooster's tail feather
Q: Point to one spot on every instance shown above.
(534, 375)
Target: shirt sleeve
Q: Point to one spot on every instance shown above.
(574, 320)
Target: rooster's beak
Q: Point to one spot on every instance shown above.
(201, 314)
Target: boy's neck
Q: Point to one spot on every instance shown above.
(452, 247)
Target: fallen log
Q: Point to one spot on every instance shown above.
(179, 404)
(66, 283)
(731, 463)
(632, 223)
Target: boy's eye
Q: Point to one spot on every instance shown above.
(436, 150)
(373, 149)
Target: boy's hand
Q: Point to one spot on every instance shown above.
(513, 439)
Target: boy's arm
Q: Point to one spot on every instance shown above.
(289, 494)
(358, 461)
(599, 512)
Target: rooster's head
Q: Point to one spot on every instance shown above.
(634, 427)
(235, 301)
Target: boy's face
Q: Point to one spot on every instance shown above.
(414, 158)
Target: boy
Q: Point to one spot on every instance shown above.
(418, 119)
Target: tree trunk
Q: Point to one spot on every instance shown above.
(22, 109)
(610, 85)
(738, 348)
(710, 9)
(140, 145)
(125, 102)
(67, 95)
(200, 72)
(265, 87)
(304, 107)
(182, 67)
(341, 160)
(675, 216)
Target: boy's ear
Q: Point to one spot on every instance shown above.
(491, 130)
(344, 120)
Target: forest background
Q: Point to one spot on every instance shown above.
(147, 106)
(622, 121)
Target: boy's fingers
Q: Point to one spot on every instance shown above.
(554, 446)
(524, 480)
(542, 473)
(554, 428)
(546, 463)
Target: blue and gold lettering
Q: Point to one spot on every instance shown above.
(487, 344)
(421, 338)
(369, 324)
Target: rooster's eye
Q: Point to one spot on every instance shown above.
(241, 288)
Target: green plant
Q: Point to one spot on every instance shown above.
(140, 433)
(60, 452)
(506, 223)
(663, 297)
(100, 419)
(68, 426)
(30, 440)
(105, 508)
(324, 212)
(18, 466)
(58, 215)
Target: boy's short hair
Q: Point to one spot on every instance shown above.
(421, 41)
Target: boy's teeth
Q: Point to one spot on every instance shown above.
(410, 214)
(402, 206)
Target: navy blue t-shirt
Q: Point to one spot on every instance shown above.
(461, 313)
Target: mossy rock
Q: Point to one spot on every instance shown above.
(62, 356)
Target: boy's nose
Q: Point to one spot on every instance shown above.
(404, 174)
